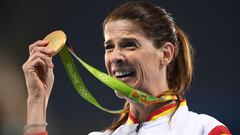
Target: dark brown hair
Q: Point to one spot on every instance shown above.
(160, 27)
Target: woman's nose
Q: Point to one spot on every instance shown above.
(117, 57)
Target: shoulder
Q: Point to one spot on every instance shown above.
(212, 126)
(204, 124)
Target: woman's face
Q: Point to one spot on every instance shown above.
(130, 56)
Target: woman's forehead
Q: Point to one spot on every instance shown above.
(124, 27)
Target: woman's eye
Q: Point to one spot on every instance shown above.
(130, 45)
(108, 47)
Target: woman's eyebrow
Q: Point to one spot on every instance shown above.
(107, 42)
(124, 40)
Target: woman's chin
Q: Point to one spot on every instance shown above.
(120, 96)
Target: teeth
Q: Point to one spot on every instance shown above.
(121, 73)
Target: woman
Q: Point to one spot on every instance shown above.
(145, 49)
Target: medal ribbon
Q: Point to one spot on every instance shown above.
(115, 84)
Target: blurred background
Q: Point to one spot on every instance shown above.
(213, 28)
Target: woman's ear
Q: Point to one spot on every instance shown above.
(168, 52)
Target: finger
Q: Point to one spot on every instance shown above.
(41, 49)
(31, 66)
(38, 43)
(38, 62)
(46, 58)
(40, 67)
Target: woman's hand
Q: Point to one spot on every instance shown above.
(38, 71)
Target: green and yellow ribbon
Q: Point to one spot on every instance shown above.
(117, 85)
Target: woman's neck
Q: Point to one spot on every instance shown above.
(141, 112)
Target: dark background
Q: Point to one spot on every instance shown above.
(212, 26)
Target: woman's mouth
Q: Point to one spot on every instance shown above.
(129, 76)
(125, 76)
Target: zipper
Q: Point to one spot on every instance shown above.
(140, 124)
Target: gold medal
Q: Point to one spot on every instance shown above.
(57, 40)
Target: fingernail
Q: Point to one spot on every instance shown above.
(51, 65)
(44, 41)
(50, 49)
